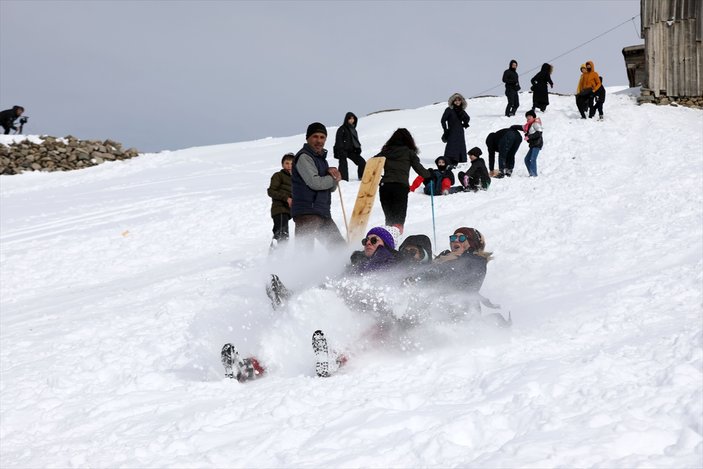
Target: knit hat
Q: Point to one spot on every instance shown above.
(315, 127)
(384, 234)
(476, 151)
(476, 240)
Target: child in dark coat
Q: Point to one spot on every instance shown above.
(281, 200)
(477, 176)
(442, 179)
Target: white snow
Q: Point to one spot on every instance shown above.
(120, 283)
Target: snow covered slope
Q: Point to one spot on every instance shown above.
(120, 283)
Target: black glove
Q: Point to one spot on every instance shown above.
(445, 136)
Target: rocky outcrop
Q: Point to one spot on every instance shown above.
(54, 154)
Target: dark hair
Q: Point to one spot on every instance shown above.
(287, 156)
(401, 137)
(531, 113)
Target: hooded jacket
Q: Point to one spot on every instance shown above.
(588, 79)
(346, 141)
(454, 121)
(511, 77)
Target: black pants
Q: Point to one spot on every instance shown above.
(308, 228)
(358, 161)
(7, 129)
(584, 102)
(394, 201)
(280, 227)
(597, 106)
(513, 102)
(507, 147)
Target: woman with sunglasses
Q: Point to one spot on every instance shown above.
(463, 266)
(378, 254)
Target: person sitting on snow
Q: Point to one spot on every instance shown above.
(477, 176)
(416, 250)
(440, 181)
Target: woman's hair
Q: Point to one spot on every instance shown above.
(401, 137)
(531, 113)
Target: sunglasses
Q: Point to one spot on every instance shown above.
(371, 239)
(461, 238)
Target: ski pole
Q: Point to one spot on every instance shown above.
(434, 230)
(344, 213)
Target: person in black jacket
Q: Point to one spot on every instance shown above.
(506, 143)
(8, 118)
(347, 146)
(454, 121)
(512, 86)
(477, 176)
(599, 99)
(439, 183)
(401, 154)
(540, 94)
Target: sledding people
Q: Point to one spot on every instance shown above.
(348, 147)
(313, 182)
(440, 182)
(533, 135)
(477, 176)
(281, 200)
(512, 86)
(8, 118)
(506, 143)
(540, 94)
(454, 121)
(598, 100)
(588, 86)
(401, 154)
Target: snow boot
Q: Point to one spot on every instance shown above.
(323, 365)
(237, 368)
(322, 356)
(277, 292)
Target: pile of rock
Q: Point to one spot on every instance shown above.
(54, 154)
(648, 96)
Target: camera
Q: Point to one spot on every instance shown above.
(23, 120)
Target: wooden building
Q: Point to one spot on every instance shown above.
(673, 49)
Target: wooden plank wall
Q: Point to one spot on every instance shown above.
(673, 33)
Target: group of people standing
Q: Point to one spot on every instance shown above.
(302, 189)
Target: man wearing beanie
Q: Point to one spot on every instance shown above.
(313, 182)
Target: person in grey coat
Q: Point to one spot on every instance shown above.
(454, 121)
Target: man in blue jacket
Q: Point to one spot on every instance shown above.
(313, 182)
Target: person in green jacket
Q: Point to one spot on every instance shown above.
(281, 200)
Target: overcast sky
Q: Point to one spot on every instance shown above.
(160, 75)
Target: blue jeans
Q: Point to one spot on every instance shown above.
(531, 160)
